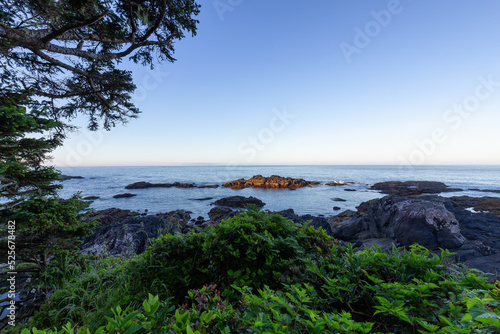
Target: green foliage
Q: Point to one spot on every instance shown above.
(260, 273)
(44, 224)
(68, 52)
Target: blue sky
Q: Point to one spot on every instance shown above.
(316, 82)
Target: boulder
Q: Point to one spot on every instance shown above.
(133, 235)
(406, 221)
(431, 221)
(239, 202)
(412, 187)
(273, 181)
(220, 213)
(316, 222)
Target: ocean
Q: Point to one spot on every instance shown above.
(106, 182)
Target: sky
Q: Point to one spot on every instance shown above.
(414, 82)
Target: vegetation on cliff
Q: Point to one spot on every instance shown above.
(262, 273)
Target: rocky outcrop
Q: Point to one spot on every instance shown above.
(144, 185)
(213, 186)
(316, 222)
(496, 191)
(90, 198)
(412, 187)
(69, 177)
(406, 221)
(431, 221)
(126, 195)
(273, 181)
(220, 213)
(122, 233)
(480, 204)
(239, 202)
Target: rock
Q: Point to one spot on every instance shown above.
(338, 199)
(144, 185)
(90, 198)
(220, 213)
(412, 187)
(496, 191)
(432, 221)
(406, 221)
(178, 216)
(239, 202)
(316, 222)
(183, 185)
(273, 181)
(338, 183)
(202, 199)
(68, 177)
(483, 204)
(336, 208)
(126, 195)
(131, 236)
(209, 186)
(109, 216)
(349, 189)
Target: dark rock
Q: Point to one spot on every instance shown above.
(316, 222)
(432, 221)
(407, 221)
(412, 187)
(349, 189)
(90, 198)
(338, 199)
(273, 181)
(126, 195)
(109, 216)
(68, 177)
(336, 208)
(202, 199)
(496, 191)
(209, 186)
(483, 204)
(239, 201)
(144, 185)
(131, 236)
(220, 213)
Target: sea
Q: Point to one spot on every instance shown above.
(105, 182)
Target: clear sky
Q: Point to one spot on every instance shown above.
(316, 82)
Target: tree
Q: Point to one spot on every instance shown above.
(66, 52)
(44, 224)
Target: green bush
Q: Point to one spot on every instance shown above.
(261, 273)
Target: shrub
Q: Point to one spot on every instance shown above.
(261, 273)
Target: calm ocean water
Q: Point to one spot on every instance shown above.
(106, 182)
